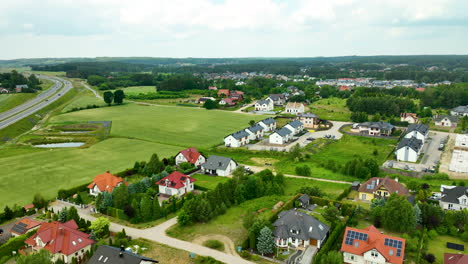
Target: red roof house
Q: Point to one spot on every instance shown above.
(62, 240)
(105, 182)
(450, 258)
(224, 92)
(176, 183)
(214, 88)
(420, 89)
(227, 101)
(369, 245)
(190, 155)
(344, 88)
(23, 226)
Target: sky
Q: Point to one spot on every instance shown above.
(231, 28)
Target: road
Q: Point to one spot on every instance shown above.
(91, 89)
(46, 98)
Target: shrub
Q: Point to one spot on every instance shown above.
(214, 244)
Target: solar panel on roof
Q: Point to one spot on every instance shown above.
(393, 243)
(19, 228)
(351, 235)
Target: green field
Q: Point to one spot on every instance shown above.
(9, 101)
(84, 101)
(331, 109)
(208, 181)
(139, 89)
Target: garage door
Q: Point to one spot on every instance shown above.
(313, 242)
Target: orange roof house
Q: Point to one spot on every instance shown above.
(224, 92)
(190, 155)
(370, 246)
(23, 226)
(105, 182)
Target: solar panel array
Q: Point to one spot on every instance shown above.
(19, 228)
(351, 235)
(394, 243)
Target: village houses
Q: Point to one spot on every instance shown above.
(237, 139)
(446, 120)
(309, 120)
(268, 124)
(374, 128)
(454, 198)
(255, 132)
(411, 118)
(105, 182)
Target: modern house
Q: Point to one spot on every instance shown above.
(375, 128)
(113, 255)
(281, 136)
(264, 105)
(299, 230)
(237, 139)
(411, 118)
(176, 183)
(105, 182)
(217, 165)
(419, 131)
(63, 240)
(23, 226)
(380, 188)
(408, 149)
(190, 155)
(461, 110)
(278, 99)
(268, 124)
(295, 126)
(446, 120)
(308, 119)
(455, 198)
(365, 246)
(455, 258)
(294, 108)
(255, 132)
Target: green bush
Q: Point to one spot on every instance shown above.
(66, 193)
(214, 244)
(206, 260)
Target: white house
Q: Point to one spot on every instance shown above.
(294, 108)
(374, 128)
(411, 118)
(264, 105)
(268, 124)
(105, 182)
(295, 126)
(190, 155)
(408, 149)
(278, 99)
(281, 136)
(419, 131)
(255, 132)
(176, 183)
(461, 110)
(217, 165)
(237, 139)
(446, 120)
(455, 198)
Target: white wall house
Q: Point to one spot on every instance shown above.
(461, 110)
(411, 118)
(295, 126)
(176, 183)
(268, 124)
(446, 121)
(190, 155)
(237, 139)
(218, 165)
(294, 108)
(255, 132)
(281, 136)
(455, 198)
(419, 131)
(264, 105)
(408, 149)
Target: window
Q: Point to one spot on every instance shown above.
(450, 206)
(374, 254)
(363, 197)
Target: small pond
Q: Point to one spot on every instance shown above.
(75, 132)
(61, 145)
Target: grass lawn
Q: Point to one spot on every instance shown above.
(331, 189)
(180, 126)
(163, 253)
(209, 182)
(438, 247)
(47, 171)
(331, 109)
(84, 101)
(9, 101)
(139, 89)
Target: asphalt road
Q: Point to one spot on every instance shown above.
(44, 99)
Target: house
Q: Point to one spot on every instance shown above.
(308, 119)
(411, 118)
(363, 246)
(380, 188)
(223, 92)
(202, 100)
(281, 136)
(461, 110)
(19, 88)
(408, 149)
(105, 182)
(455, 198)
(190, 155)
(446, 120)
(299, 230)
(23, 226)
(226, 101)
(268, 124)
(237, 139)
(221, 166)
(278, 99)
(295, 126)
(113, 255)
(304, 200)
(294, 108)
(264, 105)
(255, 132)
(236, 95)
(451, 258)
(176, 183)
(3, 91)
(212, 88)
(419, 131)
(344, 88)
(375, 128)
(63, 240)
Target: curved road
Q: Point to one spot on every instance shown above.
(44, 99)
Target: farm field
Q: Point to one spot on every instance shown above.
(139, 89)
(331, 109)
(86, 99)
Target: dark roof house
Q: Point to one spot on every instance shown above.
(421, 128)
(296, 123)
(283, 132)
(239, 134)
(113, 255)
(413, 143)
(217, 163)
(452, 195)
(268, 121)
(299, 225)
(255, 128)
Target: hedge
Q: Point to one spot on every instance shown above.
(13, 245)
(331, 242)
(344, 194)
(65, 193)
(117, 213)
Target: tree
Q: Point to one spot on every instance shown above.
(295, 153)
(311, 191)
(72, 213)
(156, 208)
(430, 258)
(39, 201)
(265, 243)
(7, 213)
(63, 215)
(119, 95)
(145, 208)
(120, 196)
(359, 117)
(210, 104)
(108, 97)
(41, 257)
(252, 122)
(332, 257)
(183, 218)
(331, 214)
(376, 118)
(417, 214)
(398, 214)
(100, 227)
(154, 166)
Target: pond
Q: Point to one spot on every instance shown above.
(75, 132)
(61, 145)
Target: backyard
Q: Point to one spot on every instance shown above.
(331, 109)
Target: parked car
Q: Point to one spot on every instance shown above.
(310, 138)
(441, 147)
(390, 164)
(267, 164)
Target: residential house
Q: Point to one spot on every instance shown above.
(455, 198)
(212, 88)
(268, 124)
(308, 119)
(461, 110)
(237, 139)
(408, 149)
(190, 155)
(63, 240)
(295, 126)
(23, 226)
(176, 183)
(411, 118)
(304, 200)
(381, 188)
(299, 230)
(3, 91)
(202, 100)
(255, 132)
(19, 88)
(223, 93)
(221, 166)
(227, 101)
(344, 88)
(446, 120)
(365, 246)
(236, 95)
(278, 99)
(105, 182)
(455, 258)
(375, 128)
(294, 108)
(264, 105)
(112, 255)
(281, 136)
(419, 131)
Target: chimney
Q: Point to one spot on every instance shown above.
(108, 171)
(378, 180)
(219, 164)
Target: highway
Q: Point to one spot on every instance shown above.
(59, 88)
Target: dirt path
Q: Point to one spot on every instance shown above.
(228, 244)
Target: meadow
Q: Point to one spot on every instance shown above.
(139, 89)
(331, 109)
(9, 101)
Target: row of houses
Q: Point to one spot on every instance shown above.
(410, 146)
(286, 133)
(255, 132)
